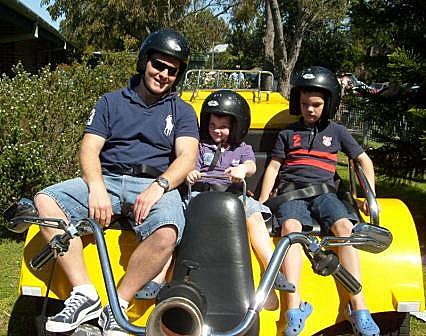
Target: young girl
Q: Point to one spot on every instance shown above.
(224, 121)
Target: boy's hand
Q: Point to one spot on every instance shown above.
(363, 205)
(193, 176)
(236, 174)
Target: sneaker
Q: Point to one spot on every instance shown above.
(108, 323)
(78, 308)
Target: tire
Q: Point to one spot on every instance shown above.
(393, 323)
(26, 318)
(390, 323)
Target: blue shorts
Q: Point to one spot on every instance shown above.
(326, 208)
(250, 207)
(72, 197)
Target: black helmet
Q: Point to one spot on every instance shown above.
(226, 103)
(316, 77)
(167, 42)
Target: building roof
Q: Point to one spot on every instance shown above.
(18, 23)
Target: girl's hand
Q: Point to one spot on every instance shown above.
(193, 176)
(236, 174)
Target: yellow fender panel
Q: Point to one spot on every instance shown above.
(392, 280)
(271, 111)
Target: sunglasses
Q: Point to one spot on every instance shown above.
(160, 66)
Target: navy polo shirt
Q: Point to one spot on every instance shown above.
(310, 154)
(137, 133)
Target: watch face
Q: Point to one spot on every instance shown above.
(163, 183)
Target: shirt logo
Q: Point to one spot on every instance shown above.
(169, 125)
(297, 140)
(326, 140)
(235, 163)
(91, 116)
(208, 158)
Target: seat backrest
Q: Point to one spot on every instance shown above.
(216, 241)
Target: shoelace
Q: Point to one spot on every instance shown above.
(71, 304)
(112, 322)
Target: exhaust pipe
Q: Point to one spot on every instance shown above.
(175, 316)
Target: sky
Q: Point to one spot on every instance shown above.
(34, 5)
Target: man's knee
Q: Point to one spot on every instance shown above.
(165, 238)
(342, 227)
(291, 225)
(47, 205)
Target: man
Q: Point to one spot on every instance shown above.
(140, 142)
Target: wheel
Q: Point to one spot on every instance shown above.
(390, 323)
(26, 318)
(393, 323)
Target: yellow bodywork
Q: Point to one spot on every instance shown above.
(269, 110)
(392, 280)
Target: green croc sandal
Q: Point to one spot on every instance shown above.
(362, 323)
(296, 319)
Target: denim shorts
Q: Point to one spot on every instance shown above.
(72, 197)
(326, 208)
(250, 207)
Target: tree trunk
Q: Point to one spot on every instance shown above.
(269, 46)
(280, 47)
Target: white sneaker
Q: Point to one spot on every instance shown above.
(78, 308)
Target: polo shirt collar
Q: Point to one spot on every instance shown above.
(130, 92)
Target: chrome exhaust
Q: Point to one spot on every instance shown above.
(175, 316)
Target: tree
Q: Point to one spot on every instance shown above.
(246, 36)
(123, 24)
(292, 20)
(381, 26)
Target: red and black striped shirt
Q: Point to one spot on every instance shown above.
(310, 154)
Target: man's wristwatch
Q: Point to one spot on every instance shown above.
(163, 183)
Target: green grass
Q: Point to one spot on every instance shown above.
(418, 327)
(10, 261)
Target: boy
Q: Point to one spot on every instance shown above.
(306, 154)
(224, 121)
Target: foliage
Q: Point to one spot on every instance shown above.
(379, 27)
(42, 118)
(403, 155)
(124, 24)
(293, 20)
(325, 46)
(247, 34)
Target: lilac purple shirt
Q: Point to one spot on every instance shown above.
(230, 157)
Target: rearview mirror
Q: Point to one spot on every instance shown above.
(374, 239)
(16, 214)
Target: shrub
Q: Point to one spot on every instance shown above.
(42, 118)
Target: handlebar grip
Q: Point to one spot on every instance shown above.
(42, 258)
(347, 280)
(57, 246)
